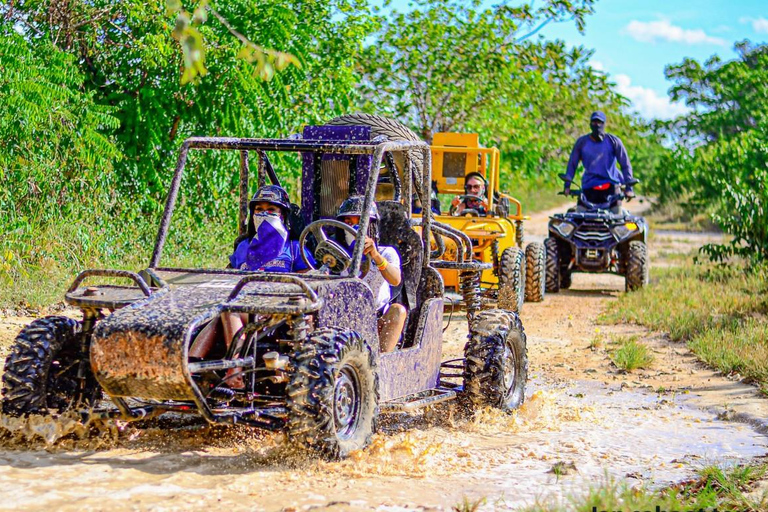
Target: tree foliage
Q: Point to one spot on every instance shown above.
(453, 66)
(722, 155)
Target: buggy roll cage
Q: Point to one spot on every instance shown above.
(265, 170)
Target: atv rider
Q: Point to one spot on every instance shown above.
(599, 152)
(474, 185)
(266, 247)
(384, 271)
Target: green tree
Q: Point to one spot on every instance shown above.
(722, 155)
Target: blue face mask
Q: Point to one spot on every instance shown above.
(349, 237)
(268, 240)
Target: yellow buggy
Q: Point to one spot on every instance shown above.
(496, 229)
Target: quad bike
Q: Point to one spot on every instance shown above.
(309, 351)
(597, 238)
(517, 273)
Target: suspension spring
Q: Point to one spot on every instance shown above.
(299, 326)
(470, 289)
(495, 257)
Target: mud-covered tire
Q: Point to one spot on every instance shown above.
(496, 360)
(535, 272)
(511, 279)
(333, 397)
(553, 266)
(638, 266)
(40, 373)
(392, 130)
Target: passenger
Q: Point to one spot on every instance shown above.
(474, 185)
(265, 248)
(384, 272)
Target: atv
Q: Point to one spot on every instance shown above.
(597, 238)
(309, 352)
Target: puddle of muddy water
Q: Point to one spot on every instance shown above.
(598, 430)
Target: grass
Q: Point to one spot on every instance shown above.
(725, 490)
(720, 312)
(631, 354)
(676, 217)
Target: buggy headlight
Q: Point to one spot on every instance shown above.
(565, 228)
(624, 230)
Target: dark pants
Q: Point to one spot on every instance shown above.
(601, 196)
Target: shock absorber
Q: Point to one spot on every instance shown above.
(299, 326)
(495, 256)
(519, 233)
(470, 289)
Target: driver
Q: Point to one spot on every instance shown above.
(384, 272)
(474, 185)
(599, 152)
(265, 248)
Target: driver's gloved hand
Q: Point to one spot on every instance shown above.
(629, 193)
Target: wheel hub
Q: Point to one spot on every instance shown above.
(509, 370)
(346, 402)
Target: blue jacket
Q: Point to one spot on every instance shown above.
(289, 259)
(599, 159)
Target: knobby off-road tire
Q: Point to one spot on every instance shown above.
(553, 266)
(333, 393)
(496, 361)
(638, 266)
(393, 130)
(512, 279)
(41, 371)
(535, 272)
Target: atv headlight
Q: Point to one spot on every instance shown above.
(624, 230)
(565, 229)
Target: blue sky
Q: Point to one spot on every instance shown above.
(634, 40)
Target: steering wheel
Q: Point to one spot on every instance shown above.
(470, 212)
(329, 252)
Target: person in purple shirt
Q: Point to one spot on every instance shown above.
(599, 152)
(266, 247)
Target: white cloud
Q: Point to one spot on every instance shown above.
(663, 30)
(597, 65)
(646, 102)
(759, 25)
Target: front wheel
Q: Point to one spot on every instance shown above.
(553, 265)
(535, 272)
(333, 393)
(495, 360)
(638, 266)
(41, 372)
(512, 279)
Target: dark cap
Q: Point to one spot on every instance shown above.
(272, 194)
(353, 206)
(597, 115)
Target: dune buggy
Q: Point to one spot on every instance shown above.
(597, 238)
(309, 352)
(517, 273)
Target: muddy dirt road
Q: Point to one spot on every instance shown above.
(583, 423)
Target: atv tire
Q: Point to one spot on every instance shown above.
(496, 362)
(638, 266)
(392, 130)
(535, 272)
(553, 266)
(41, 370)
(333, 393)
(512, 279)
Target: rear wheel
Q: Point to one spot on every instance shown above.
(333, 393)
(638, 266)
(553, 265)
(496, 362)
(41, 371)
(512, 279)
(535, 272)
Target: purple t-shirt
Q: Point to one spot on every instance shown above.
(289, 259)
(599, 159)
